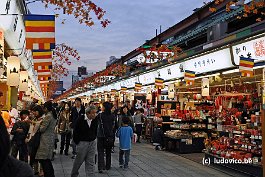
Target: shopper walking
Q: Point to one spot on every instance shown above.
(20, 132)
(45, 150)
(77, 111)
(124, 112)
(64, 128)
(138, 120)
(125, 135)
(85, 134)
(9, 166)
(105, 137)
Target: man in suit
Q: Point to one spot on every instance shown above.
(77, 111)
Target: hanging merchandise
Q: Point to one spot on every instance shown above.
(159, 83)
(138, 87)
(189, 77)
(23, 83)
(2, 43)
(246, 66)
(13, 67)
(205, 87)
(171, 91)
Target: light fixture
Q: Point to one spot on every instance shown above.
(23, 83)
(13, 66)
(231, 71)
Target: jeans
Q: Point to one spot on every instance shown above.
(85, 153)
(65, 141)
(127, 157)
(101, 160)
(47, 167)
(22, 149)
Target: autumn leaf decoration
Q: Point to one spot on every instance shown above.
(81, 10)
(254, 7)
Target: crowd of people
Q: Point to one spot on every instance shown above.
(90, 131)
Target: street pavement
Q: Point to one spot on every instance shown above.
(144, 162)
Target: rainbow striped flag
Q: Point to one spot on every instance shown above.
(189, 77)
(124, 88)
(246, 66)
(159, 83)
(138, 87)
(40, 32)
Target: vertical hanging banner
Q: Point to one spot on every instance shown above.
(246, 66)
(159, 83)
(40, 32)
(123, 89)
(149, 94)
(205, 87)
(189, 77)
(171, 91)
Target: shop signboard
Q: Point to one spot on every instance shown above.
(170, 72)
(148, 78)
(129, 83)
(211, 62)
(254, 49)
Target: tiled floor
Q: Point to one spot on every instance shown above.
(145, 162)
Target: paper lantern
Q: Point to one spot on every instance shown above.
(24, 79)
(205, 87)
(149, 94)
(13, 68)
(198, 96)
(171, 91)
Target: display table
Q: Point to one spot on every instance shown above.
(184, 145)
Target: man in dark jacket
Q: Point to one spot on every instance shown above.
(9, 166)
(20, 131)
(77, 111)
(85, 134)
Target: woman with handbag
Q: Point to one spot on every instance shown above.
(45, 150)
(64, 128)
(105, 136)
(34, 136)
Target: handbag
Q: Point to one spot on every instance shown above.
(108, 141)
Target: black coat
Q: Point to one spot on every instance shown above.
(15, 168)
(158, 136)
(82, 132)
(75, 115)
(19, 137)
(108, 126)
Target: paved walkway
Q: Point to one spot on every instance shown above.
(145, 162)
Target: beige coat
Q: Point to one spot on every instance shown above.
(45, 150)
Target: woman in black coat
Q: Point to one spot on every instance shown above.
(105, 136)
(9, 166)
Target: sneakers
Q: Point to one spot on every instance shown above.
(74, 156)
(121, 166)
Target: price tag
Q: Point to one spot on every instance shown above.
(255, 124)
(249, 147)
(252, 137)
(260, 137)
(256, 137)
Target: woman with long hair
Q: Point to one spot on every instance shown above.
(64, 128)
(45, 150)
(105, 136)
(124, 112)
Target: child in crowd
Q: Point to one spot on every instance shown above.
(125, 135)
(20, 131)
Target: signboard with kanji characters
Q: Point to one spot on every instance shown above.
(254, 49)
(211, 62)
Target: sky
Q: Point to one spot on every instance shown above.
(132, 23)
